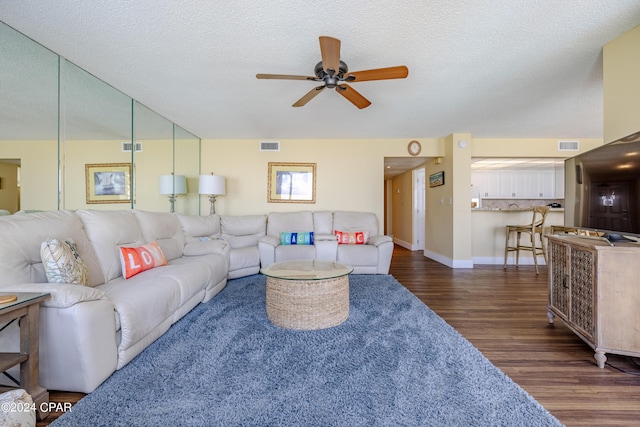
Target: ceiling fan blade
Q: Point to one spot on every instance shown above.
(309, 96)
(399, 72)
(330, 49)
(285, 77)
(353, 96)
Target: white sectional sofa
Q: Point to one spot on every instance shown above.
(371, 257)
(88, 332)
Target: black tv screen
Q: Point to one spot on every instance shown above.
(602, 188)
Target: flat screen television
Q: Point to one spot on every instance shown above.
(602, 189)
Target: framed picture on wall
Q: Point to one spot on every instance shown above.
(108, 182)
(436, 179)
(291, 183)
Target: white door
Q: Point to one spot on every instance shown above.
(419, 218)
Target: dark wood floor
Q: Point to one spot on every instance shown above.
(503, 313)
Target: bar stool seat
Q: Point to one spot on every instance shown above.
(532, 230)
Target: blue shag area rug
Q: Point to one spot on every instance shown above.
(394, 362)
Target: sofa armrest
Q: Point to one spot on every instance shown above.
(378, 240)
(270, 240)
(62, 295)
(204, 247)
(325, 237)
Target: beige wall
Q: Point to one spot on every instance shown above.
(528, 147)
(350, 172)
(350, 176)
(621, 86)
(448, 220)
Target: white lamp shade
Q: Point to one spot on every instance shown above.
(173, 184)
(211, 184)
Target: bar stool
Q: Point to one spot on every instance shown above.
(533, 229)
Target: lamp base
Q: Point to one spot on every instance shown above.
(212, 200)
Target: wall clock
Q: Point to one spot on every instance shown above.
(414, 148)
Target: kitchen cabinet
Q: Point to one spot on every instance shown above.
(546, 187)
(593, 289)
(485, 184)
(518, 184)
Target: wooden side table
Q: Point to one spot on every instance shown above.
(26, 307)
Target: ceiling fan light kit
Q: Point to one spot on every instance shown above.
(334, 73)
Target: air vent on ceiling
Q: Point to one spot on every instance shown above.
(126, 146)
(269, 145)
(568, 145)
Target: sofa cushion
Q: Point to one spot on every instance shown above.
(323, 222)
(216, 268)
(163, 228)
(294, 252)
(135, 260)
(289, 221)
(195, 226)
(355, 221)
(244, 230)
(62, 262)
(244, 258)
(357, 255)
(205, 246)
(107, 231)
(22, 237)
(142, 303)
(296, 238)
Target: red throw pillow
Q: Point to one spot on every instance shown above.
(138, 259)
(352, 238)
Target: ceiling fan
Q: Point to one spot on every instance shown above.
(335, 74)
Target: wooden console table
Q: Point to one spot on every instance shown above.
(26, 308)
(594, 290)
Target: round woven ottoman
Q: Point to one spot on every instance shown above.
(307, 294)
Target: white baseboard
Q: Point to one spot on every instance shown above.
(461, 263)
(404, 244)
(524, 260)
(452, 263)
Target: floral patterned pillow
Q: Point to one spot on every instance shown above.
(62, 262)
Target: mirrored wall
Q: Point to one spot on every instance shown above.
(80, 143)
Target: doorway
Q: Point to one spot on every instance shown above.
(419, 208)
(10, 185)
(610, 207)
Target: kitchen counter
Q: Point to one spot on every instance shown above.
(488, 232)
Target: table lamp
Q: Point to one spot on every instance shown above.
(212, 185)
(173, 185)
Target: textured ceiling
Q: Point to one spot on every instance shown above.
(492, 68)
